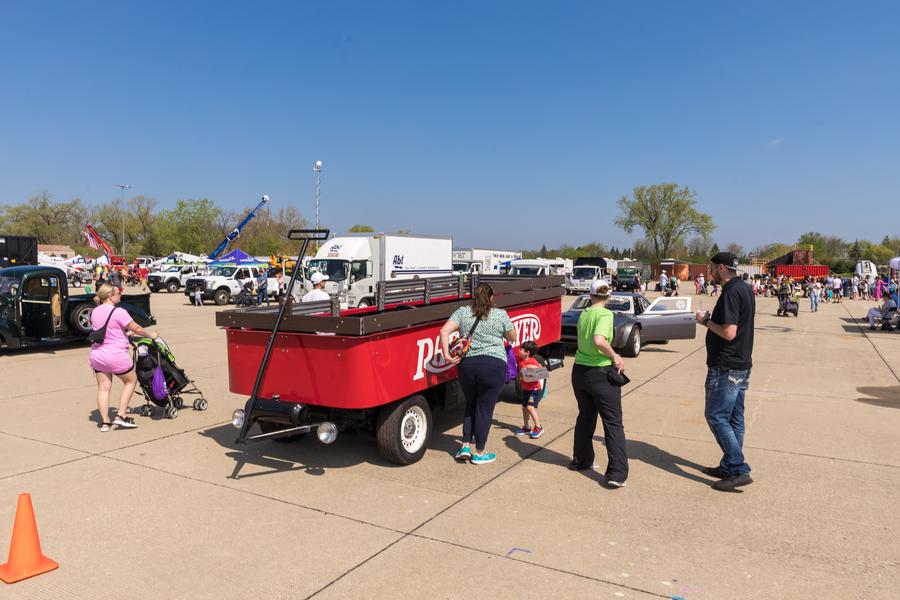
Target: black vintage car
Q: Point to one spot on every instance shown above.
(36, 308)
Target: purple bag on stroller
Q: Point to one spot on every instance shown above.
(159, 383)
(512, 370)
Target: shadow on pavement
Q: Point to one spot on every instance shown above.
(885, 396)
(309, 455)
(637, 450)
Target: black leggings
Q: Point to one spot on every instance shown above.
(595, 396)
(481, 379)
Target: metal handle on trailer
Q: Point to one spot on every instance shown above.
(306, 236)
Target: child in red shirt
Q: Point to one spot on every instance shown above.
(531, 391)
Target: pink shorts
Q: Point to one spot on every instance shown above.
(117, 364)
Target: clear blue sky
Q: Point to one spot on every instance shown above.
(504, 124)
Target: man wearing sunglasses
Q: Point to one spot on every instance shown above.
(729, 346)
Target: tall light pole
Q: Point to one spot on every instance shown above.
(123, 187)
(318, 169)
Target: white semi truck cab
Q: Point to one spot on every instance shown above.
(355, 263)
(538, 267)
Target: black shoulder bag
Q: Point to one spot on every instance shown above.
(98, 335)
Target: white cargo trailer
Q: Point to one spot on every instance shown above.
(355, 263)
(482, 260)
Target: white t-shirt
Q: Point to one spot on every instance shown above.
(316, 295)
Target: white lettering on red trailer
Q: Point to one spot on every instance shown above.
(528, 328)
(430, 358)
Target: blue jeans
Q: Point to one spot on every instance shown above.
(814, 302)
(725, 415)
(262, 295)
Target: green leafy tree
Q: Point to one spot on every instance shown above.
(191, 225)
(666, 213)
(881, 254)
(358, 228)
(51, 222)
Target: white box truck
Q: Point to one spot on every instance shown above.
(482, 260)
(355, 262)
(539, 267)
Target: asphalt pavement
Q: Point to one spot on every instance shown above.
(174, 509)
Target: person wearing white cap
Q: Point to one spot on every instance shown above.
(594, 360)
(663, 282)
(318, 292)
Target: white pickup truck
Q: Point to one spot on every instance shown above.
(224, 282)
(172, 278)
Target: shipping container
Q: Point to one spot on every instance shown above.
(18, 250)
(751, 270)
(802, 271)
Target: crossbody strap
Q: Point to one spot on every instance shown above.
(472, 329)
(109, 316)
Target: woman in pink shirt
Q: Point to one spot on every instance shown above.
(113, 356)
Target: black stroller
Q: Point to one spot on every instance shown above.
(148, 354)
(246, 297)
(787, 305)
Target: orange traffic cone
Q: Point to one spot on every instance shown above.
(25, 558)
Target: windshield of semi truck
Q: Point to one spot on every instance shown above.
(584, 273)
(527, 271)
(335, 269)
(460, 266)
(223, 271)
(628, 272)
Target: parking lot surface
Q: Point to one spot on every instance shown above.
(174, 509)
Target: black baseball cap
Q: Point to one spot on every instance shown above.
(725, 258)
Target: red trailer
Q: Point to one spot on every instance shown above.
(312, 367)
(800, 272)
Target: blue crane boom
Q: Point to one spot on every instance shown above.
(237, 230)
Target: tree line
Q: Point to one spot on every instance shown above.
(194, 225)
(673, 227)
(666, 215)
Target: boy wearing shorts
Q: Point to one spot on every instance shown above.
(531, 391)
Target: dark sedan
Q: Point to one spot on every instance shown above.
(637, 320)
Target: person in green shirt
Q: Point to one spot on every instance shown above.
(595, 394)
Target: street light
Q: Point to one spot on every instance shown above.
(318, 169)
(123, 187)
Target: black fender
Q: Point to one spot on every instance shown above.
(139, 315)
(10, 337)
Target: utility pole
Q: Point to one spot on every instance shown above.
(318, 169)
(123, 187)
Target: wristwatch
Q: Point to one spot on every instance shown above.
(706, 320)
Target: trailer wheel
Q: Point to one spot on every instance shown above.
(404, 430)
(633, 347)
(172, 286)
(81, 318)
(270, 427)
(222, 297)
